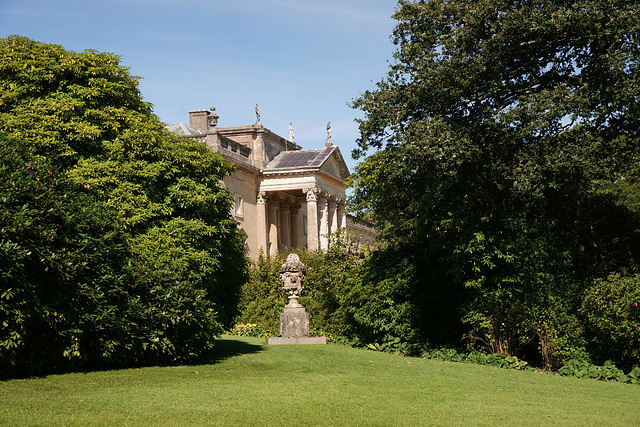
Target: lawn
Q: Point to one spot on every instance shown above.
(250, 384)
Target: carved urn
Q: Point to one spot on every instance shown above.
(292, 273)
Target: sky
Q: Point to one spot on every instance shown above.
(302, 61)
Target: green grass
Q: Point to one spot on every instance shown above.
(250, 384)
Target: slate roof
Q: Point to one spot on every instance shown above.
(300, 159)
(182, 129)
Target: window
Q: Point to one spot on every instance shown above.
(239, 208)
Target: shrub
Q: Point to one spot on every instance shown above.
(581, 368)
(250, 330)
(375, 303)
(261, 298)
(612, 319)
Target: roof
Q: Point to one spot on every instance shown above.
(300, 159)
(182, 129)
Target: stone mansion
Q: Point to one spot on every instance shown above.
(284, 196)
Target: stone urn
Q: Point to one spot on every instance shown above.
(292, 273)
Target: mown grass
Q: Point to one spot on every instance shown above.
(249, 384)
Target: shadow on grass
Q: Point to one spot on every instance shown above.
(224, 348)
(229, 347)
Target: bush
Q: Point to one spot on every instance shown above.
(75, 293)
(250, 330)
(612, 319)
(496, 359)
(261, 298)
(375, 303)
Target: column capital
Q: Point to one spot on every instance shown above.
(312, 193)
(285, 205)
(295, 207)
(261, 197)
(273, 198)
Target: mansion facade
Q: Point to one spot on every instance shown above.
(285, 196)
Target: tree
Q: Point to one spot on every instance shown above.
(143, 211)
(501, 129)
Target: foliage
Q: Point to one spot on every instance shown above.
(610, 308)
(376, 303)
(56, 249)
(358, 298)
(493, 359)
(581, 368)
(250, 330)
(507, 156)
(262, 299)
(137, 259)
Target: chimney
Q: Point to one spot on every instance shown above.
(199, 119)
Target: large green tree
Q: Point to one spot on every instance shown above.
(139, 213)
(506, 132)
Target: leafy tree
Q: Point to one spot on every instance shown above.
(163, 259)
(504, 130)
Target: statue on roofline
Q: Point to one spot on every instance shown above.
(258, 114)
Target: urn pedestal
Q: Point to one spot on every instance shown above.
(294, 322)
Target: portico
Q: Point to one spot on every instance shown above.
(305, 199)
(298, 218)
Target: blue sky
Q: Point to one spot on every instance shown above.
(302, 61)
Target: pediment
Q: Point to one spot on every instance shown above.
(328, 159)
(335, 165)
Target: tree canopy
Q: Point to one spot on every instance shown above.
(507, 156)
(115, 234)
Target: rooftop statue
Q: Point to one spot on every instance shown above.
(258, 114)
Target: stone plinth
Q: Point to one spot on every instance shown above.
(294, 322)
(299, 340)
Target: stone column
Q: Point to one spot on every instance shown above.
(324, 221)
(261, 222)
(285, 223)
(342, 214)
(273, 202)
(294, 224)
(333, 216)
(312, 218)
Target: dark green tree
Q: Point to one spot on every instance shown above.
(176, 257)
(506, 130)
